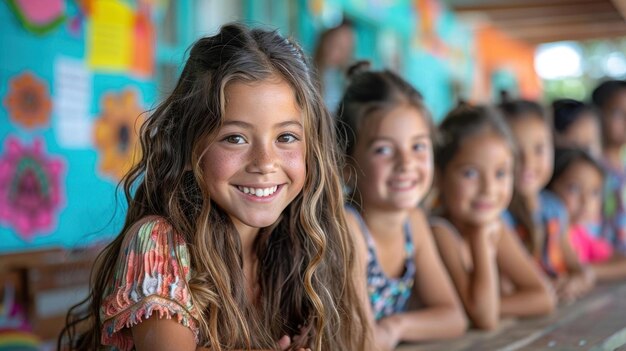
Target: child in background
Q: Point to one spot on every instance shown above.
(235, 233)
(537, 215)
(474, 170)
(333, 55)
(578, 181)
(389, 151)
(576, 125)
(610, 99)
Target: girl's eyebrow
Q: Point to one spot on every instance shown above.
(293, 123)
(391, 140)
(246, 125)
(241, 124)
(478, 163)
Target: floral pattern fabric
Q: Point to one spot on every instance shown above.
(150, 276)
(387, 295)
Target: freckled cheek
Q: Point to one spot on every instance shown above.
(219, 166)
(294, 164)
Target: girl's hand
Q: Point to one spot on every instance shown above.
(568, 289)
(386, 335)
(285, 342)
(487, 235)
(492, 232)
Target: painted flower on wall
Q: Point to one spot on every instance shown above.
(31, 192)
(116, 133)
(28, 101)
(39, 16)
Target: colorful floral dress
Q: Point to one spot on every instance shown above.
(151, 275)
(387, 295)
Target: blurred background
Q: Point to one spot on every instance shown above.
(76, 77)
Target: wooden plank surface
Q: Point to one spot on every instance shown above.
(596, 322)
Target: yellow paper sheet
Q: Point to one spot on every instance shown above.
(110, 36)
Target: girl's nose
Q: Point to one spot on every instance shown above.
(405, 160)
(262, 160)
(523, 159)
(487, 184)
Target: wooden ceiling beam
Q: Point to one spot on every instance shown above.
(529, 12)
(486, 6)
(550, 38)
(620, 5)
(546, 36)
(615, 26)
(541, 21)
(575, 19)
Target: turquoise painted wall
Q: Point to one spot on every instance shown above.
(87, 211)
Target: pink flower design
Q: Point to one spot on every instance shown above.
(30, 188)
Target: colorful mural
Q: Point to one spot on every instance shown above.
(116, 133)
(39, 16)
(504, 59)
(31, 188)
(67, 128)
(28, 101)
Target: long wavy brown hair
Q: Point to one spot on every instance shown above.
(305, 259)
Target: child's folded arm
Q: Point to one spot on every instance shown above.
(533, 294)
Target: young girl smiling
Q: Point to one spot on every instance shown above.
(475, 167)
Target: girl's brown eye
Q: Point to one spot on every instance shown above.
(287, 138)
(235, 139)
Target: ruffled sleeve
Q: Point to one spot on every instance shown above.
(151, 275)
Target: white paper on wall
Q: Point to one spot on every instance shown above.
(73, 87)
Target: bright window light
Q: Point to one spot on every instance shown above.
(615, 65)
(558, 60)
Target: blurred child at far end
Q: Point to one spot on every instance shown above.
(576, 125)
(578, 181)
(610, 99)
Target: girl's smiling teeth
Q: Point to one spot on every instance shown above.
(258, 192)
(402, 184)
